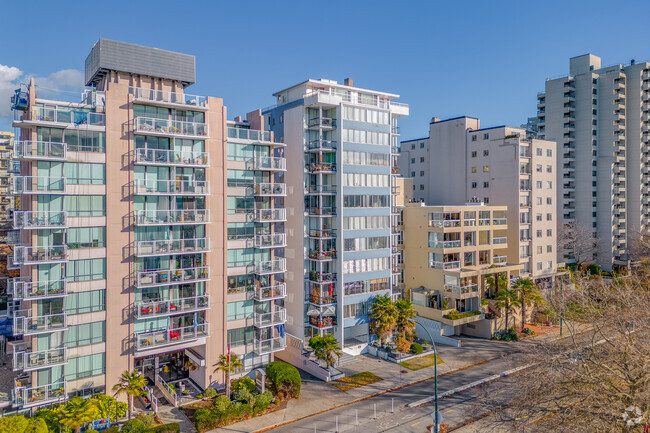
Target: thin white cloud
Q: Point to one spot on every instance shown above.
(66, 84)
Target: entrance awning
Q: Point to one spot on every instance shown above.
(195, 357)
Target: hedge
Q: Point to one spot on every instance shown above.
(417, 348)
(172, 427)
(284, 379)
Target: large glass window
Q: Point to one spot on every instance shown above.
(240, 310)
(85, 205)
(84, 270)
(85, 366)
(85, 302)
(86, 237)
(88, 333)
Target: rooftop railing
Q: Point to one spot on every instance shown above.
(61, 115)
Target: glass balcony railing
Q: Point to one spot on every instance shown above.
(171, 246)
(173, 276)
(270, 189)
(28, 255)
(271, 292)
(171, 306)
(171, 187)
(276, 317)
(61, 115)
(27, 361)
(462, 290)
(270, 215)
(322, 145)
(40, 150)
(263, 347)
(445, 265)
(171, 157)
(270, 266)
(320, 189)
(322, 167)
(322, 255)
(500, 240)
(321, 122)
(150, 125)
(165, 337)
(271, 241)
(322, 234)
(500, 259)
(451, 244)
(31, 325)
(322, 278)
(166, 97)
(322, 300)
(322, 322)
(22, 288)
(249, 134)
(270, 163)
(39, 395)
(500, 221)
(40, 219)
(322, 211)
(170, 217)
(38, 185)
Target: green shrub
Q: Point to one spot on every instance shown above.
(416, 348)
(511, 334)
(208, 393)
(91, 430)
(139, 424)
(262, 402)
(242, 396)
(111, 429)
(244, 383)
(172, 427)
(497, 336)
(205, 419)
(20, 424)
(455, 315)
(528, 331)
(284, 379)
(484, 301)
(221, 403)
(594, 269)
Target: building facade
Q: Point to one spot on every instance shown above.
(599, 117)
(459, 162)
(123, 233)
(6, 173)
(340, 143)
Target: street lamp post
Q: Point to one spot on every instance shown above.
(435, 380)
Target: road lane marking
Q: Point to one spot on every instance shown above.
(413, 425)
(447, 411)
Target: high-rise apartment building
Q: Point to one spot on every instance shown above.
(126, 249)
(340, 142)
(6, 173)
(461, 162)
(599, 117)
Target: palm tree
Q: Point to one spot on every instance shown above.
(326, 348)
(528, 296)
(77, 413)
(228, 364)
(497, 281)
(384, 317)
(405, 318)
(508, 300)
(130, 384)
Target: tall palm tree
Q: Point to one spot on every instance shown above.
(383, 316)
(497, 281)
(77, 413)
(130, 384)
(508, 300)
(405, 318)
(228, 366)
(326, 348)
(528, 296)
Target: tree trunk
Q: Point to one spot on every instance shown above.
(228, 384)
(130, 406)
(523, 315)
(506, 308)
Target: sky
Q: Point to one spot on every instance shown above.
(484, 58)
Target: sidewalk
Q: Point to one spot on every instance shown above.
(317, 396)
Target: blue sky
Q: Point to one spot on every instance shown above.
(486, 59)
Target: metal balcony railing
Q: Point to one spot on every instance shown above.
(171, 187)
(173, 276)
(171, 246)
(48, 150)
(171, 157)
(171, 217)
(29, 255)
(270, 189)
(166, 97)
(172, 306)
(22, 288)
(40, 219)
(27, 361)
(168, 127)
(276, 317)
(165, 337)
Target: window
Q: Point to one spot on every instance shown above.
(85, 302)
(549, 169)
(473, 137)
(486, 136)
(422, 159)
(549, 217)
(412, 174)
(240, 336)
(538, 233)
(421, 172)
(473, 184)
(549, 248)
(85, 366)
(549, 232)
(474, 154)
(549, 265)
(413, 146)
(486, 169)
(538, 184)
(549, 184)
(240, 309)
(421, 187)
(86, 237)
(486, 152)
(538, 168)
(549, 200)
(85, 270)
(538, 265)
(538, 200)
(88, 333)
(538, 217)
(486, 184)
(486, 200)
(473, 169)
(538, 151)
(538, 250)
(421, 145)
(412, 160)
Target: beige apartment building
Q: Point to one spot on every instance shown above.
(497, 166)
(6, 173)
(448, 253)
(600, 118)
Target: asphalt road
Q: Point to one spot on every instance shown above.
(389, 413)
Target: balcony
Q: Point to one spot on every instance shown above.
(28, 255)
(322, 278)
(38, 185)
(322, 322)
(275, 240)
(171, 187)
(321, 122)
(500, 260)
(168, 157)
(322, 256)
(453, 265)
(32, 325)
(28, 220)
(172, 246)
(270, 189)
(462, 290)
(173, 99)
(172, 277)
(320, 189)
(59, 116)
(322, 167)
(142, 310)
(269, 293)
(451, 244)
(322, 300)
(170, 128)
(500, 221)
(270, 215)
(166, 337)
(28, 361)
(171, 217)
(321, 145)
(26, 397)
(263, 137)
(271, 345)
(46, 150)
(22, 288)
(265, 267)
(276, 317)
(268, 163)
(322, 234)
(322, 211)
(500, 240)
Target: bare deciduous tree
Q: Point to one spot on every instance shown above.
(577, 242)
